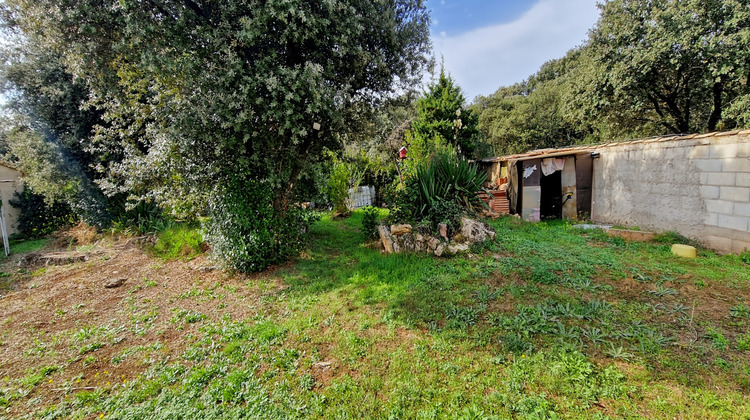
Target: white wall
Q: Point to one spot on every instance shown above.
(698, 186)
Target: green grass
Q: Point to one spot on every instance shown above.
(27, 246)
(546, 322)
(183, 241)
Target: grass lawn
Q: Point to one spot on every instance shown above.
(546, 322)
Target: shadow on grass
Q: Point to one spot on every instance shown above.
(420, 288)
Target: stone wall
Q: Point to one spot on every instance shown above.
(698, 186)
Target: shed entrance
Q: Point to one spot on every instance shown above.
(551, 196)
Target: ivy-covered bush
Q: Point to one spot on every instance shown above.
(37, 217)
(245, 232)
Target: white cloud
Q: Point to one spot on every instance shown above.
(484, 59)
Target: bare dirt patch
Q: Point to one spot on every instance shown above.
(97, 337)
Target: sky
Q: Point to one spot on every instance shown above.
(486, 44)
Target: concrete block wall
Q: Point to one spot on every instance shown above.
(698, 186)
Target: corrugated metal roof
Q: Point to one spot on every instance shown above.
(569, 150)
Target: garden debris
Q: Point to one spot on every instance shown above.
(142, 240)
(58, 258)
(111, 284)
(631, 235)
(386, 239)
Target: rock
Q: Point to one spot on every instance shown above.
(476, 231)
(57, 258)
(439, 249)
(443, 231)
(408, 243)
(111, 284)
(432, 243)
(398, 230)
(459, 238)
(386, 239)
(322, 365)
(457, 248)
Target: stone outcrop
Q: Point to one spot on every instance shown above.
(476, 231)
(403, 238)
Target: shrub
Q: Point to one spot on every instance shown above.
(444, 211)
(450, 179)
(145, 218)
(441, 191)
(38, 218)
(246, 233)
(338, 187)
(370, 222)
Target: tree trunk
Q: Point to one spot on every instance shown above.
(713, 120)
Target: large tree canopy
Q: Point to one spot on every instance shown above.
(194, 91)
(648, 68)
(679, 64)
(208, 101)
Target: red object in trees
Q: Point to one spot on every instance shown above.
(402, 152)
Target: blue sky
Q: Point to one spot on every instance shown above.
(486, 44)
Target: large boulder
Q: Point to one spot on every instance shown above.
(475, 231)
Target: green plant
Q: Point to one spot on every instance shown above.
(739, 311)
(449, 179)
(370, 221)
(618, 353)
(338, 186)
(247, 234)
(743, 342)
(37, 217)
(146, 217)
(717, 338)
(183, 241)
(445, 212)
(662, 291)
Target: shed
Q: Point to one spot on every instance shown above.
(546, 184)
(696, 185)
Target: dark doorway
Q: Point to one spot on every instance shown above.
(551, 200)
(584, 174)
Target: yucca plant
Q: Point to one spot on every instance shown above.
(449, 179)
